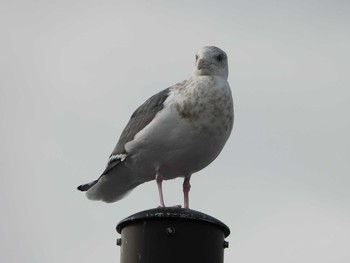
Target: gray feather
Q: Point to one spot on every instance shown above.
(140, 119)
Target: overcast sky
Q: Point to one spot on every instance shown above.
(72, 73)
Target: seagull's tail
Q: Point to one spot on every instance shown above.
(112, 186)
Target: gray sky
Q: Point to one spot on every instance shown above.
(72, 73)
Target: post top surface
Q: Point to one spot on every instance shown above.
(164, 213)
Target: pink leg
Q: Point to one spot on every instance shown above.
(186, 189)
(159, 180)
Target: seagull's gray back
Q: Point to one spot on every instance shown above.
(141, 118)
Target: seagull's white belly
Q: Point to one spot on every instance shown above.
(176, 149)
(184, 137)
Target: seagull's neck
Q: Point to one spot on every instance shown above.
(204, 77)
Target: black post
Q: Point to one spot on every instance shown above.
(172, 235)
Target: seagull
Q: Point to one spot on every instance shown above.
(175, 133)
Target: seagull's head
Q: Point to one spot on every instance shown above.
(211, 61)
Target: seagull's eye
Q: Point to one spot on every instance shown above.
(196, 57)
(220, 57)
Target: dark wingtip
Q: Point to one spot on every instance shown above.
(85, 187)
(81, 188)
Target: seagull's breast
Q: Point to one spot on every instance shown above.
(206, 103)
(189, 132)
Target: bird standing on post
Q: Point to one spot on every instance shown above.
(175, 133)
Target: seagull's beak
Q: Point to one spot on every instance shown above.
(202, 64)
